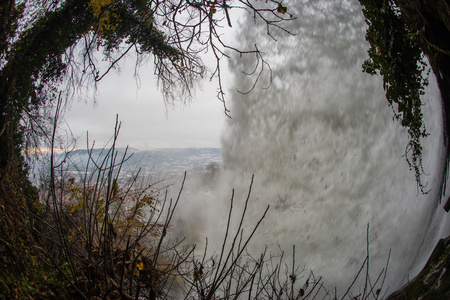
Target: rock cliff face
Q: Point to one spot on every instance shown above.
(434, 281)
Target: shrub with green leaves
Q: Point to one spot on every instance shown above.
(396, 55)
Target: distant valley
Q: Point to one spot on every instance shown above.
(157, 162)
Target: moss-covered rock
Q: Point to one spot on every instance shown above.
(434, 281)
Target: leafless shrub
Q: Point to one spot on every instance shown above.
(108, 237)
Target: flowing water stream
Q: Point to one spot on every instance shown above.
(326, 153)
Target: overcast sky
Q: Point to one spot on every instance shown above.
(146, 121)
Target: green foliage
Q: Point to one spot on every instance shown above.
(129, 22)
(34, 62)
(395, 53)
(9, 16)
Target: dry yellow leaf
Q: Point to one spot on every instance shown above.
(281, 9)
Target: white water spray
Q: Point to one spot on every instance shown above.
(327, 154)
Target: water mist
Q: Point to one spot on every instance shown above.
(326, 153)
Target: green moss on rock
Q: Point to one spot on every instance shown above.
(433, 282)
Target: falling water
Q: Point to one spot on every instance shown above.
(326, 153)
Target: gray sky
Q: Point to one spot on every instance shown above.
(146, 122)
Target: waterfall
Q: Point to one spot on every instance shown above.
(326, 154)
